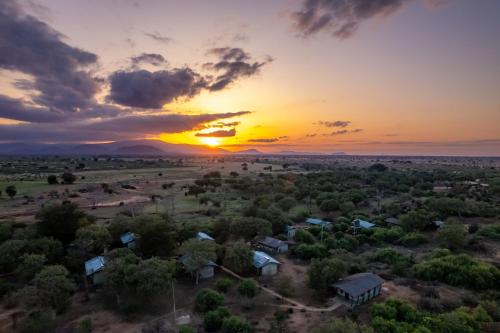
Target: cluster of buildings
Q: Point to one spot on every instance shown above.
(355, 289)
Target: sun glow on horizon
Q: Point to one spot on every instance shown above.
(211, 141)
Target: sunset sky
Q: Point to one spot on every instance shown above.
(361, 76)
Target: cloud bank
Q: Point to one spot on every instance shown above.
(62, 88)
(341, 18)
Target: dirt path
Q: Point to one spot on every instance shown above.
(293, 303)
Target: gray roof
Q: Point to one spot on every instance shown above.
(185, 258)
(392, 220)
(271, 242)
(358, 223)
(318, 222)
(358, 284)
(261, 259)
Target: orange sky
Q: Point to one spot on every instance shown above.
(422, 80)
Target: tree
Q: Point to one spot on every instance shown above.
(324, 272)
(195, 190)
(153, 277)
(11, 191)
(68, 178)
(304, 236)
(94, 238)
(51, 288)
(416, 219)
(156, 235)
(379, 167)
(30, 265)
(208, 299)
(248, 288)
(235, 324)
(286, 203)
(213, 319)
(239, 258)
(121, 264)
(198, 253)
(249, 227)
(60, 221)
(52, 180)
(452, 236)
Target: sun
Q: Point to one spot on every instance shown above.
(211, 141)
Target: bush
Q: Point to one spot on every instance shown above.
(213, 319)
(413, 239)
(491, 232)
(235, 324)
(208, 299)
(248, 288)
(304, 236)
(391, 257)
(458, 270)
(223, 284)
(310, 251)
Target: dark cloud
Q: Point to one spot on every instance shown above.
(59, 101)
(344, 131)
(269, 140)
(127, 127)
(145, 89)
(338, 123)
(218, 133)
(61, 79)
(233, 64)
(156, 36)
(340, 17)
(222, 124)
(148, 58)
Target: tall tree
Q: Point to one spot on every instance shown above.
(198, 253)
(60, 221)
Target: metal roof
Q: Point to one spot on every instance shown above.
(94, 265)
(363, 224)
(357, 284)
(392, 220)
(271, 242)
(317, 222)
(261, 259)
(203, 236)
(127, 238)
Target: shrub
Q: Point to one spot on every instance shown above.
(213, 319)
(235, 324)
(413, 239)
(304, 236)
(310, 251)
(393, 258)
(223, 284)
(491, 231)
(458, 270)
(208, 299)
(248, 288)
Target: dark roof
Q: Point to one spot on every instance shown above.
(358, 284)
(271, 242)
(392, 220)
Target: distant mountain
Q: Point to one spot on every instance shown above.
(339, 153)
(133, 147)
(249, 152)
(138, 150)
(291, 152)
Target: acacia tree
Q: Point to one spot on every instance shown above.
(324, 272)
(11, 191)
(50, 288)
(94, 237)
(239, 257)
(197, 254)
(60, 221)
